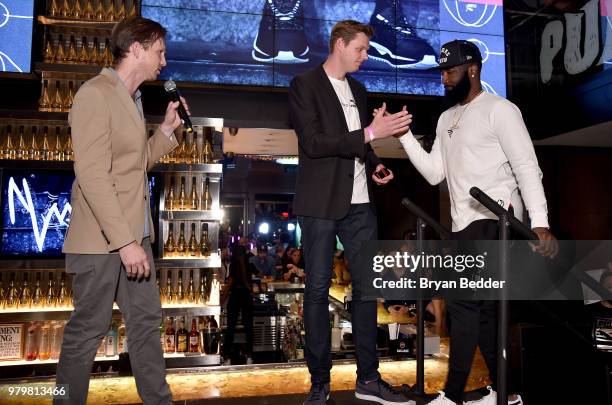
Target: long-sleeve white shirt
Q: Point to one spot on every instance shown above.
(491, 149)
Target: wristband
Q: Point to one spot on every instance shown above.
(370, 133)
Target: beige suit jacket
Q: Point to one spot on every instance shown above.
(111, 157)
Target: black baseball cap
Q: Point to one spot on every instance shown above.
(458, 52)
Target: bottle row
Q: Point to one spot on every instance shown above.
(193, 148)
(74, 51)
(34, 143)
(57, 97)
(92, 10)
(204, 336)
(45, 293)
(174, 291)
(193, 248)
(184, 200)
(25, 294)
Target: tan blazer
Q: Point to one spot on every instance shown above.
(111, 157)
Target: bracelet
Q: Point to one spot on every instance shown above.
(370, 133)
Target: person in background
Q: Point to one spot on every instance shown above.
(262, 262)
(294, 265)
(279, 253)
(239, 298)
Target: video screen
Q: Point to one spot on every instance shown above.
(35, 212)
(16, 24)
(268, 42)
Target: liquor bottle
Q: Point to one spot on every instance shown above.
(207, 151)
(110, 340)
(194, 338)
(180, 293)
(22, 150)
(71, 55)
(107, 56)
(57, 329)
(170, 201)
(38, 299)
(191, 295)
(204, 243)
(193, 154)
(8, 150)
(25, 297)
(63, 299)
(120, 14)
(58, 150)
(60, 56)
(121, 339)
(94, 55)
(182, 198)
(213, 296)
(34, 151)
(88, 10)
(54, 10)
(12, 296)
(66, 10)
(181, 245)
(181, 152)
(77, 11)
(211, 336)
(194, 198)
(45, 151)
(69, 96)
(110, 11)
(44, 347)
(83, 56)
(57, 104)
(44, 103)
(169, 290)
(49, 54)
(193, 247)
(170, 245)
(170, 341)
(132, 11)
(206, 196)
(100, 13)
(50, 299)
(202, 293)
(68, 152)
(181, 337)
(31, 341)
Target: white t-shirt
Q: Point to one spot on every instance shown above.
(489, 148)
(351, 114)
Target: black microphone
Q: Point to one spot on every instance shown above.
(174, 95)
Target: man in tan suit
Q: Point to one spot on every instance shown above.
(108, 243)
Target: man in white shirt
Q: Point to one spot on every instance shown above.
(481, 141)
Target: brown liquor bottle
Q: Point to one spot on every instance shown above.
(207, 152)
(180, 292)
(58, 101)
(191, 295)
(8, 150)
(83, 57)
(77, 11)
(68, 152)
(170, 201)
(44, 103)
(49, 54)
(58, 150)
(54, 10)
(66, 10)
(60, 56)
(181, 337)
(88, 10)
(194, 338)
(94, 55)
(169, 299)
(170, 341)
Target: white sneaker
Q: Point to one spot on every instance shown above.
(441, 400)
(491, 399)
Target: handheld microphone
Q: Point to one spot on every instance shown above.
(174, 95)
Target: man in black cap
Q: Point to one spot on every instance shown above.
(481, 141)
